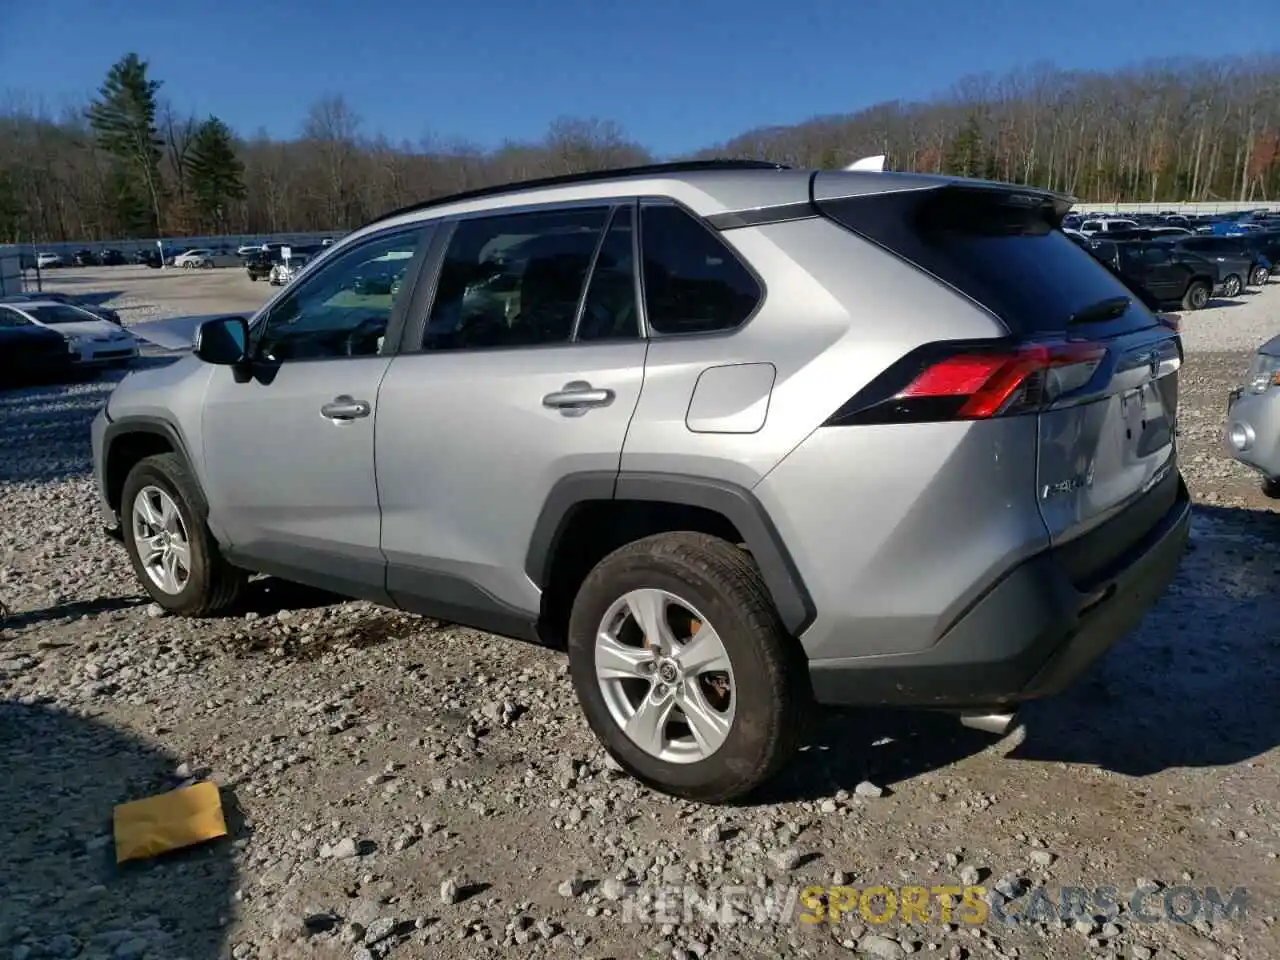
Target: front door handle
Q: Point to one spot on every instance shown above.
(577, 397)
(345, 408)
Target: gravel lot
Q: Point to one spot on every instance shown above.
(405, 788)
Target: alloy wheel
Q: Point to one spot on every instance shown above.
(160, 537)
(665, 676)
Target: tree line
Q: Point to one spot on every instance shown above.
(131, 164)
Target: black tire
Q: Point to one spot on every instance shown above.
(1232, 286)
(1271, 488)
(1259, 276)
(770, 673)
(213, 585)
(1196, 297)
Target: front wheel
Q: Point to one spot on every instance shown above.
(1271, 488)
(1196, 297)
(1232, 286)
(684, 669)
(172, 551)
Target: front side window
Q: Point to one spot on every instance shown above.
(513, 280)
(693, 283)
(11, 318)
(342, 309)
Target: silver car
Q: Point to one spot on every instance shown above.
(741, 438)
(1253, 417)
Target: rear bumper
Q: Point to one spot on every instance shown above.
(1030, 636)
(1252, 433)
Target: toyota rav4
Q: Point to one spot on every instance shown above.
(742, 438)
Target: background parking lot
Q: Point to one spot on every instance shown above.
(400, 786)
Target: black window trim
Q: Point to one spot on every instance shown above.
(717, 235)
(424, 232)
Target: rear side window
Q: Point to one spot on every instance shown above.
(693, 283)
(513, 280)
(1001, 249)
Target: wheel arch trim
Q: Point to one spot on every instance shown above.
(141, 423)
(733, 502)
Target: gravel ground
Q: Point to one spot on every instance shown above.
(405, 788)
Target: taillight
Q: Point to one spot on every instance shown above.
(972, 381)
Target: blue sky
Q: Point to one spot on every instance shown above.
(677, 74)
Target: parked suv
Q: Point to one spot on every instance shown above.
(1237, 264)
(1169, 275)
(741, 437)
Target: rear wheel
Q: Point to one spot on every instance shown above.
(1271, 488)
(172, 551)
(684, 669)
(1260, 276)
(1196, 297)
(1232, 286)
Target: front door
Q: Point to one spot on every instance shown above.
(288, 443)
(526, 372)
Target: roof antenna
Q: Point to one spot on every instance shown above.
(872, 164)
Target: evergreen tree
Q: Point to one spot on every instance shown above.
(124, 118)
(215, 175)
(966, 154)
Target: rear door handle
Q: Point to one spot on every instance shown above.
(577, 397)
(345, 408)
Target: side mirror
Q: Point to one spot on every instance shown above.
(224, 341)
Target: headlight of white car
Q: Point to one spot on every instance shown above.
(1264, 373)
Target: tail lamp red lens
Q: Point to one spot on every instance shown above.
(973, 382)
(990, 382)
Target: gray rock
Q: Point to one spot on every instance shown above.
(869, 790)
(1139, 952)
(1042, 858)
(970, 875)
(450, 892)
(379, 930)
(345, 849)
(882, 948)
(785, 859)
(572, 887)
(613, 889)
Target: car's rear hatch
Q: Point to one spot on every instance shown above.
(1106, 389)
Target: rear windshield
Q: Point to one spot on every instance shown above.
(59, 314)
(1001, 249)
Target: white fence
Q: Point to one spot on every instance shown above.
(1089, 206)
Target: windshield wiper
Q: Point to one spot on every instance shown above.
(1107, 309)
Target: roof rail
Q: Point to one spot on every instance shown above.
(589, 176)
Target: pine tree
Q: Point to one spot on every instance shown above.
(124, 119)
(215, 175)
(966, 154)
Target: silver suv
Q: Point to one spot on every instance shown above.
(742, 438)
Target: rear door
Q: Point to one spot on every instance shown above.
(525, 369)
(1106, 429)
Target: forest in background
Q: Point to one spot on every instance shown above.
(132, 164)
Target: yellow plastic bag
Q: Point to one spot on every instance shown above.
(170, 821)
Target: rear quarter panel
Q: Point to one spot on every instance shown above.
(837, 311)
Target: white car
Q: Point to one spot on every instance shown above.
(192, 258)
(206, 258)
(1105, 225)
(46, 260)
(94, 341)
